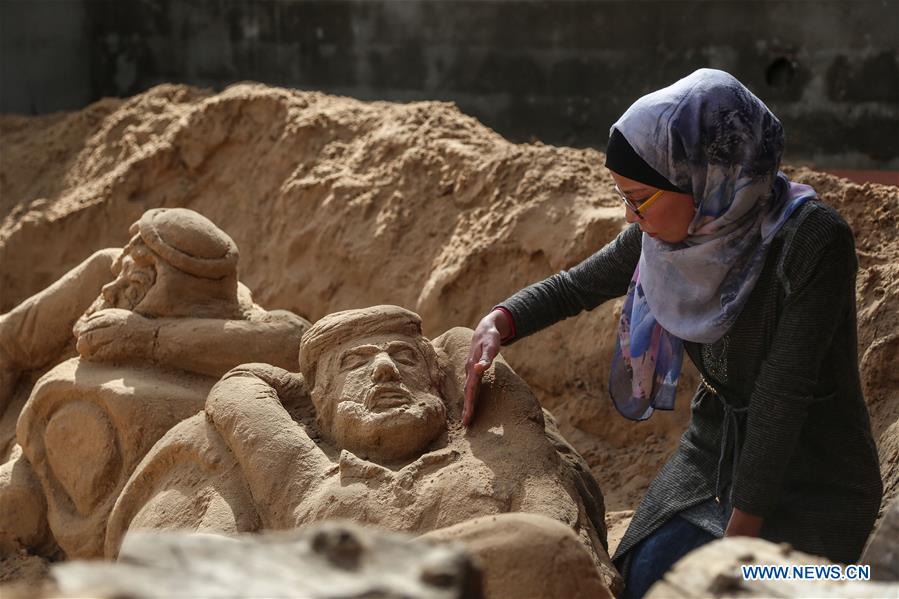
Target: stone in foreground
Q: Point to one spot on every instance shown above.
(713, 571)
(327, 560)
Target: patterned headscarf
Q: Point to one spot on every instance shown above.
(711, 136)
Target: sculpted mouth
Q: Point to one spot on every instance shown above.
(384, 397)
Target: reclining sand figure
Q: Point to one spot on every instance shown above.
(151, 345)
(377, 439)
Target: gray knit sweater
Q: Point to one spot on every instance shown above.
(797, 445)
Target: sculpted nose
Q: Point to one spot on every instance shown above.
(384, 370)
(110, 290)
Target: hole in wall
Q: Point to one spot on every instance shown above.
(780, 72)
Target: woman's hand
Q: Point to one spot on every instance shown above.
(485, 344)
(743, 525)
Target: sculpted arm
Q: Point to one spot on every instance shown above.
(35, 331)
(603, 276)
(213, 347)
(282, 464)
(202, 345)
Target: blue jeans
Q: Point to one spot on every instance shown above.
(654, 555)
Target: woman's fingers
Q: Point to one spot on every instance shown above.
(472, 380)
(472, 385)
(484, 348)
(488, 352)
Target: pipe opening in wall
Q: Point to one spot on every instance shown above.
(780, 72)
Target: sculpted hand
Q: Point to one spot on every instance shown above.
(287, 385)
(485, 344)
(114, 334)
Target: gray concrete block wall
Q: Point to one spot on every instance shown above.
(560, 71)
(44, 51)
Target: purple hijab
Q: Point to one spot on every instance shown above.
(708, 134)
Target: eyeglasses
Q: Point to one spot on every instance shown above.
(643, 205)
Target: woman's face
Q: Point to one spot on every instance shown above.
(667, 218)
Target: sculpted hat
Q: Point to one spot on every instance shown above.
(339, 327)
(188, 241)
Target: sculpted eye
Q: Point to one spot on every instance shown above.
(405, 356)
(353, 361)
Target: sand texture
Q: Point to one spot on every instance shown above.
(337, 204)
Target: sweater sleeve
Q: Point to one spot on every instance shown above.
(603, 276)
(818, 271)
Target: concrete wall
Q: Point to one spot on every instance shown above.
(44, 57)
(559, 71)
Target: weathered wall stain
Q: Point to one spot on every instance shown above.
(559, 71)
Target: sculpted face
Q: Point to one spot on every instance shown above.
(177, 264)
(135, 275)
(375, 396)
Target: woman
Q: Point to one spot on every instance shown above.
(752, 276)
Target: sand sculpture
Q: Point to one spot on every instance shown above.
(415, 204)
(369, 431)
(151, 345)
(546, 559)
(882, 550)
(340, 560)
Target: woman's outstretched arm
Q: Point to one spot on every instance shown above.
(603, 276)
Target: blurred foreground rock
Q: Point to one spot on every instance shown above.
(882, 552)
(714, 571)
(323, 561)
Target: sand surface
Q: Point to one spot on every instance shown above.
(337, 203)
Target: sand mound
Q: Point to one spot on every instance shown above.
(337, 204)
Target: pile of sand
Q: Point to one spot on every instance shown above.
(337, 203)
